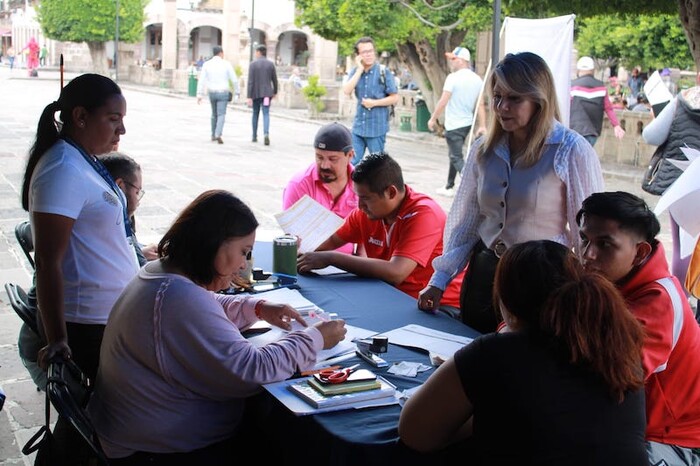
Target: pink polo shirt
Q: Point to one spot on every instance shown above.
(308, 182)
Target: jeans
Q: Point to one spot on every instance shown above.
(455, 141)
(671, 455)
(219, 102)
(360, 143)
(257, 104)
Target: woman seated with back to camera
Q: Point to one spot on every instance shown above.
(562, 386)
(175, 369)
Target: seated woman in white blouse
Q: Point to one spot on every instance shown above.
(175, 370)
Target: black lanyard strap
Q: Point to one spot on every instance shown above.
(101, 170)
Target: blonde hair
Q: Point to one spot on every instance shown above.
(527, 75)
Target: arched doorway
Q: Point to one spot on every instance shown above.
(293, 49)
(154, 45)
(202, 41)
(257, 37)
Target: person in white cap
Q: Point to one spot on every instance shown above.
(589, 100)
(459, 100)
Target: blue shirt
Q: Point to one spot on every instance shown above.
(373, 122)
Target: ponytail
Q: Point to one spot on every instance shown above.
(47, 134)
(88, 91)
(589, 318)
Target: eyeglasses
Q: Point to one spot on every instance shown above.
(139, 193)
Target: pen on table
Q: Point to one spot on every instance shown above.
(337, 359)
(318, 371)
(322, 316)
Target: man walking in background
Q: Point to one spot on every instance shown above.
(459, 99)
(219, 80)
(375, 89)
(262, 88)
(589, 99)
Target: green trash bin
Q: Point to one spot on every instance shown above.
(422, 116)
(192, 85)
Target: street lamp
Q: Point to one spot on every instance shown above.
(495, 35)
(252, 28)
(116, 47)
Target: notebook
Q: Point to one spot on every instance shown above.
(312, 396)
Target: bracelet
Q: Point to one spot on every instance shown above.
(257, 308)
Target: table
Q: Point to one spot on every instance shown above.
(358, 437)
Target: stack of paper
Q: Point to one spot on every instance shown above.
(310, 221)
(433, 341)
(299, 407)
(291, 297)
(306, 392)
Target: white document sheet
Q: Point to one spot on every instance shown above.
(310, 221)
(330, 270)
(345, 346)
(291, 297)
(433, 341)
(656, 90)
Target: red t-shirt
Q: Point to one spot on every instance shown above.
(416, 234)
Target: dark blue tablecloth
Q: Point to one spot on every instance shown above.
(367, 436)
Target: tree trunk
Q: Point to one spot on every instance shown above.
(429, 66)
(99, 58)
(690, 19)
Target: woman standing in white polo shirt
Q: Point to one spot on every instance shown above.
(78, 215)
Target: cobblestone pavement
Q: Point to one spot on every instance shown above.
(169, 136)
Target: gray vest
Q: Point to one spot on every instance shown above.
(685, 131)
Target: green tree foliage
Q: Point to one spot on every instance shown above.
(420, 31)
(649, 41)
(419, 34)
(93, 22)
(314, 92)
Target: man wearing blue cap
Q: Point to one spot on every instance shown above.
(327, 180)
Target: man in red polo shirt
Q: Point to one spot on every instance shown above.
(400, 229)
(618, 239)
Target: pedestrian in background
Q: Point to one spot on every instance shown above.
(589, 100)
(262, 88)
(375, 89)
(219, 80)
(11, 57)
(43, 53)
(460, 101)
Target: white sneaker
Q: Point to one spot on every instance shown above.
(447, 192)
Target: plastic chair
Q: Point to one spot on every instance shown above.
(69, 390)
(19, 302)
(23, 233)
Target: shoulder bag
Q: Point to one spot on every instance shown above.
(650, 180)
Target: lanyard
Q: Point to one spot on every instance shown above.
(101, 170)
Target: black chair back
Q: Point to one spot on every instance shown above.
(69, 391)
(20, 303)
(23, 233)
